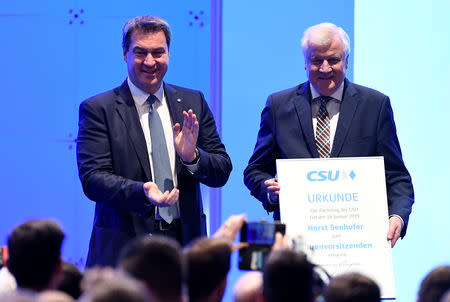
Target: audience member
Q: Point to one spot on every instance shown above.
(207, 265)
(107, 285)
(249, 288)
(156, 261)
(54, 296)
(17, 296)
(287, 276)
(7, 281)
(446, 297)
(435, 284)
(231, 227)
(70, 280)
(35, 254)
(352, 287)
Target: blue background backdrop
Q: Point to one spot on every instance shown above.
(57, 53)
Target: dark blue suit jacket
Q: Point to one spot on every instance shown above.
(365, 128)
(113, 164)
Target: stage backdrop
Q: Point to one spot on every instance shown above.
(57, 53)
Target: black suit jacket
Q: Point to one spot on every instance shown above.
(113, 165)
(365, 128)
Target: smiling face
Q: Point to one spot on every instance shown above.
(325, 66)
(147, 60)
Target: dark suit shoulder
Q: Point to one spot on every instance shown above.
(364, 91)
(182, 90)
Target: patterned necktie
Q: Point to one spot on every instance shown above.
(160, 158)
(323, 128)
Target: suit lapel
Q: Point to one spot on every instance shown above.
(127, 111)
(175, 104)
(302, 105)
(346, 113)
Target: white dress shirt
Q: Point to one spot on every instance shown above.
(143, 107)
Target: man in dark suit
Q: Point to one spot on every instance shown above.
(328, 116)
(144, 148)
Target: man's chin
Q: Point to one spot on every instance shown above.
(326, 89)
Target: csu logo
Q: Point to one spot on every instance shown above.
(330, 175)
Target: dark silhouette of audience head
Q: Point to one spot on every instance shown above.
(157, 261)
(287, 276)
(435, 284)
(70, 280)
(352, 287)
(207, 265)
(35, 254)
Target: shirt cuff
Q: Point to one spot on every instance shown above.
(193, 166)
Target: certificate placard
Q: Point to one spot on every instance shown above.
(339, 207)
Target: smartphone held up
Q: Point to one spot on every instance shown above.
(260, 237)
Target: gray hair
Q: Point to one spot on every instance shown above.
(145, 24)
(323, 34)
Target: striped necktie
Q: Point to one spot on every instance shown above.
(323, 128)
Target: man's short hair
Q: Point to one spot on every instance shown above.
(435, 284)
(323, 34)
(70, 280)
(157, 261)
(287, 276)
(207, 265)
(107, 285)
(249, 287)
(146, 25)
(352, 287)
(35, 252)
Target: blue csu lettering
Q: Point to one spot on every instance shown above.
(322, 175)
(333, 197)
(329, 175)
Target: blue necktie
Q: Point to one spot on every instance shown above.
(160, 158)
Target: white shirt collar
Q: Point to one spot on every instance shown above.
(140, 96)
(336, 95)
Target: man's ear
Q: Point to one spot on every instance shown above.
(125, 55)
(346, 62)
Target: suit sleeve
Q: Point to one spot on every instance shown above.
(95, 165)
(400, 193)
(261, 165)
(214, 165)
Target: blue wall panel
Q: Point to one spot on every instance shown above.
(406, 57)
(56, 54)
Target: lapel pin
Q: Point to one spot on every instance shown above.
(179, 100)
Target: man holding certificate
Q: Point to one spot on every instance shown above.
(328, 116)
